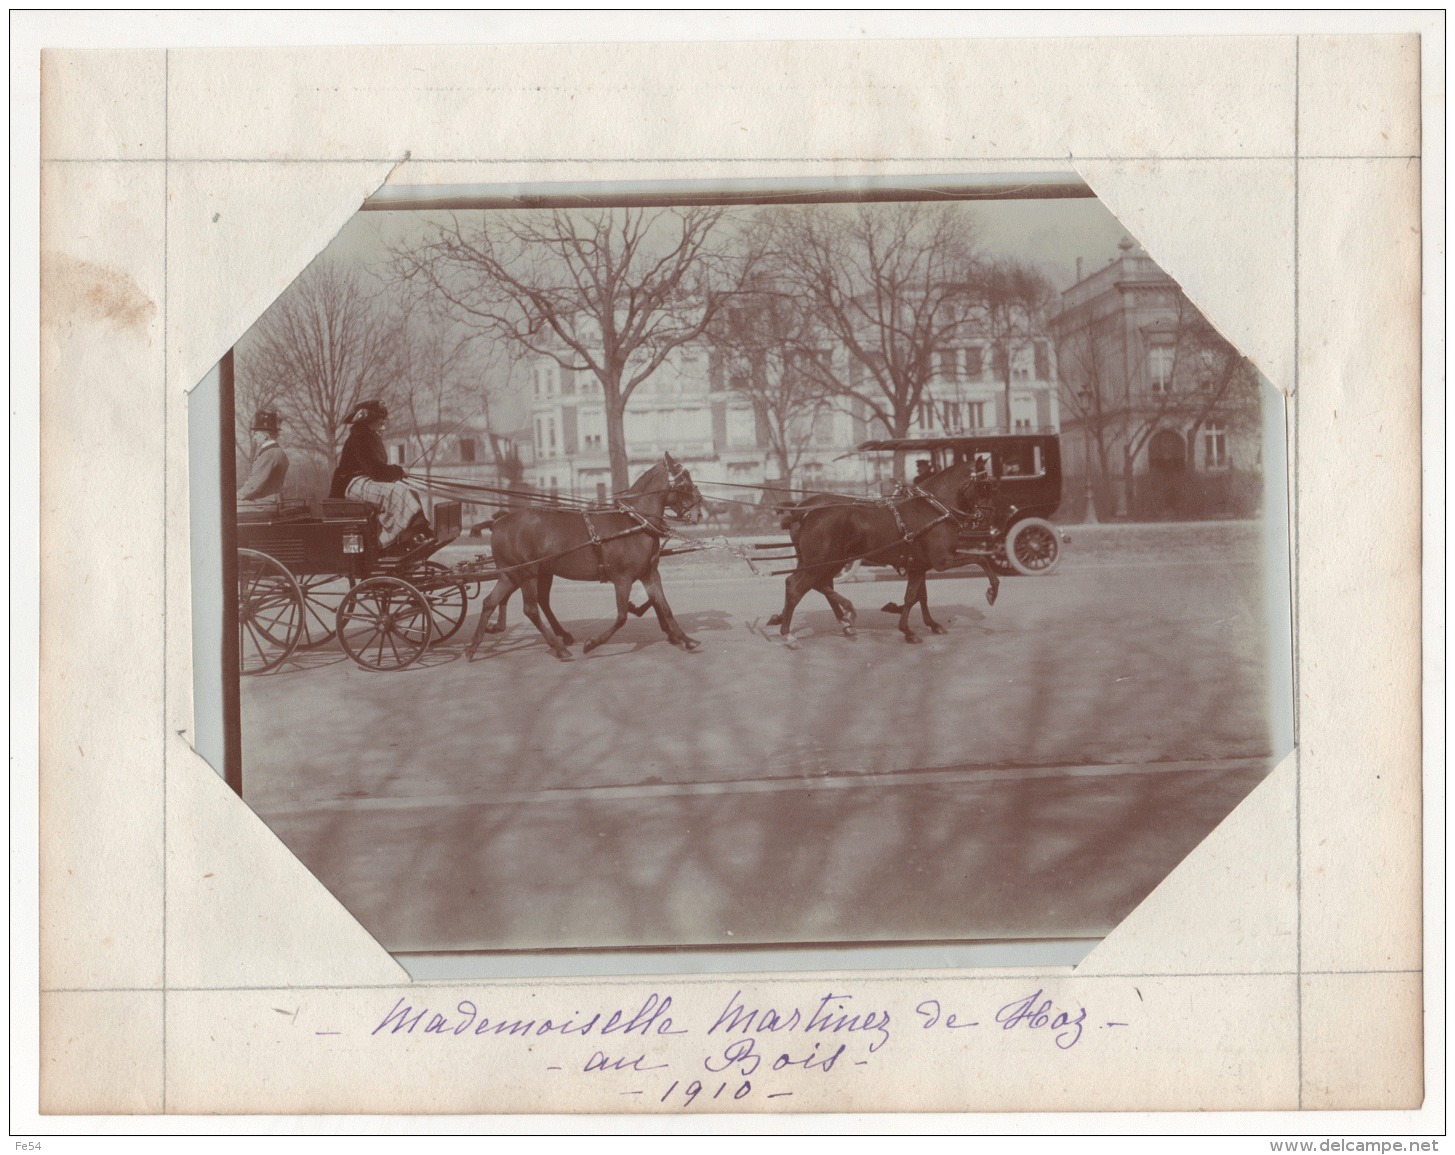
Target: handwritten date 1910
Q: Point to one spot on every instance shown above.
(688, 1094)
(1035, 1013)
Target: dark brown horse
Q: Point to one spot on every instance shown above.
(914, 533)
(620, 545)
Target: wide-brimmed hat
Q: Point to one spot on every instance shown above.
(368, 411)
(266, 421)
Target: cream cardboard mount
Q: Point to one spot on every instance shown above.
(1259, 920)
(1227, 909)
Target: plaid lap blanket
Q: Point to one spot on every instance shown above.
(396, 502)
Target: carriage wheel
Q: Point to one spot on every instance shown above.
(269, 612)
(322, 596)
(1033, 547)
(384, 623)
(449, 599)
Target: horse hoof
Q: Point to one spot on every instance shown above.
(776, 620)
(850, 632)
(790, 641)
(567, 640)
(563, 655)
(589, 646)
(495, 629)
(690, 644)
(912, 639)
(938, 630)
(991, 595)
(889, 608)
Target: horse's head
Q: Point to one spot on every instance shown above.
(683, 499)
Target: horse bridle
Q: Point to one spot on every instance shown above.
(679, 479)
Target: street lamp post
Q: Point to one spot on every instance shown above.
(1090, 518)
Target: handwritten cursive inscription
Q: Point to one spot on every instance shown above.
(1035, 1014)
(747, 1051)
(650, 1019)
(831, 1016)
(933, 1017)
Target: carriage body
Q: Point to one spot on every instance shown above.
(303, 580)
(1017, 537)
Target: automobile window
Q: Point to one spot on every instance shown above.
(1025, 460)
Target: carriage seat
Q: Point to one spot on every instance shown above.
(272, 511)
(337, 509)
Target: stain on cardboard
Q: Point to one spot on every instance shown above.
(75, 290)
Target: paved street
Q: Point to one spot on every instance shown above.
(1034, 772)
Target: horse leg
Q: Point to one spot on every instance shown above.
(993, 591)
(528, 589)
(924, 608)
(498, 626)
(665, 618)
(496, 597)
(543, 595)
(798, 584)
(911, 595)
(843, 608)
(623, 600)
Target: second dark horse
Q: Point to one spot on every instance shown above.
(915, 533)
(620, 545)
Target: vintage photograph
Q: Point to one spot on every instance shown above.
(619, 569)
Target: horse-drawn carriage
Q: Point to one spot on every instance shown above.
(1015, 537)
(303, 580)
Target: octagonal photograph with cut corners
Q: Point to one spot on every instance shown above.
(628, 569)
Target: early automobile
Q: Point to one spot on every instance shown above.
(1016, 536)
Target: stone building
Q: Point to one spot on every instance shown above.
(1166, 410)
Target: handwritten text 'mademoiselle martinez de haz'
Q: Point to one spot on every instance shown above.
(835, 1015)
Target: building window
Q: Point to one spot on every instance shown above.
(551, 436)
(1215, 447)
(975, 414)
(998, 361)
(1160, 359)
(974, 361)
(601, 492)
(399, 453)
(950, 415)
(555, 485)
(945, 360)
(467, 450)
(1043, 360)
(926, 414)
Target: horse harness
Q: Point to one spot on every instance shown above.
(908, 535)
(597, 541)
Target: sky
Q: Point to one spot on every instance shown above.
(1051, 232)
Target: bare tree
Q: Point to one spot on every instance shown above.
(1090, 392)
(608, 291)
(765, 341)
(885, 282)
(326, 344)
(440, 386)
(1014, 298)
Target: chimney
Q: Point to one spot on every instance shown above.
(1078, 270)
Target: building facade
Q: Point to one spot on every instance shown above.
(693, 406)
(1163, 414)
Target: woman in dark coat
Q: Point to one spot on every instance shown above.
(365, 474)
